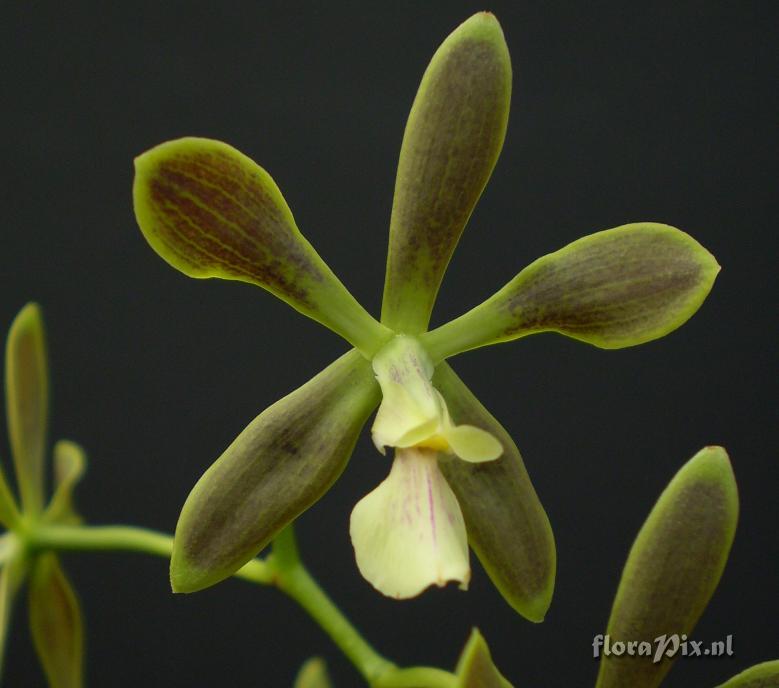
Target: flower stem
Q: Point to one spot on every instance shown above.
(283, 568)
(127, 538)
(293, 578)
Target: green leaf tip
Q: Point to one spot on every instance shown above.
(452, 140)
(282, 463)
(764, 675)
(475, 668)
(210, 211)
(507, 526)
(27, 402)
(612, 289)
(673, 567)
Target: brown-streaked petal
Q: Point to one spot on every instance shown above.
(56, 623)
(70, 462)
(475, 668)
(615, 288)
(673, 567)
(453, 137)
(210, 211)
(282, 463)
(507, 526)
(27, 401)
(763, 675)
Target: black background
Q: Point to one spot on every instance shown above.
(621, 112)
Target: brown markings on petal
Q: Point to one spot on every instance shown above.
(446, 161)
(279, 465)
(669, 581)
(507, 526)
(605, 288)
(216, 214)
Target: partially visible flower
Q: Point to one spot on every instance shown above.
(55, 614)
(457, 476)
(672, 570)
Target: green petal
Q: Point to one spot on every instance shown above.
(11, 577)
(313, 674)
(475, 668)
(56, 623)
(765, 675)
(673, 567)
(9, 511)
(453, 137)
(70, 462)
(282, 463)
(507, 526)
(616, 288)
(27, 400)
(210, 211)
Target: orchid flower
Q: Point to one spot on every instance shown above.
(457, 478)
(55, 614)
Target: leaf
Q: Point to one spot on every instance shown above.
(673, 567)
(616, 288)
(764, 675)
(210, 211)
(453, 137)
(475, 668)
(282, 463)
(507, 526)
(56, 623)
(69, 465)
(27, 400)
(313, 674)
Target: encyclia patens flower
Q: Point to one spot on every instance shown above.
(55, 614)
(210, 211)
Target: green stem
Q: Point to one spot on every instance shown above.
(428, 677)
(127, 538)
(293, 578)
(283, 568)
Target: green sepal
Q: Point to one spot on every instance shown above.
(616, 288)
(8, 547)
(475, 668)
(56, 623)
(282, 463)
(313, 674)
(70, 463)
(673, 567)
(27, 401)
(508, 528)
(9, 511)
(763, 675)
(210, 211)
(453, 137)
(12, 574)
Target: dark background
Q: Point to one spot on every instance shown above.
(621, 112)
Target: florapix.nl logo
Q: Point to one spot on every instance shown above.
(660, 647)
